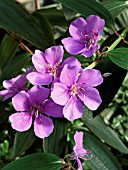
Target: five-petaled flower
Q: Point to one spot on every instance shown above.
(33, 105)
(78, 150)
(85, 34)
(48, 65)
(76, 89)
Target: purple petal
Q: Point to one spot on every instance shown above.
(91, 98)
(7, 94)
(69, 75)
(54, 55)
(77, 28)
(37, 78)
(95, 23)
(79, 164)
(73, 46)
(38, 94)
(73, 109)
(91, 77)
(52, 109)
(60, 94)
(39, 61)
(78, 148)
(17, 82)
(43, 126)
(90, 52)
(72, 61)
(21, 101)
(21, 121)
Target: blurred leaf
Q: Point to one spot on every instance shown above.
(23, 140)
(68, 13)
(119, 56)
(102, 158)
(103, 131)
(45, 25)
(90, 7)
(8, 49)
(115, 7)
(57, 140)
(14, 66)
(111, 84)
(15, 18)
(54, 15)
(37, 161)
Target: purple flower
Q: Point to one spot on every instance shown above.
(48, 65)
(32, 105)
(78, 150)
(14, 85)
(76, 89)
(85, 34)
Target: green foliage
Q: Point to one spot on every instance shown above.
(57, 140)
(102, 158)
(119, 56)
(115, 7)
(21, 22)
(86, 8)
(103, 131)
(23, 140)
(37, 161)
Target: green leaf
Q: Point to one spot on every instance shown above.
(111, 84)
(37, 161)
(15, 18)
(23, 140)
(115, 7)
(54, 15)
(8, 49)
(102, 157)
(57, 140)
(103, 131)
(14, 66)
(119, 56)
(45, 25)
(90, 7)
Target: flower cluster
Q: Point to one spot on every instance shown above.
(69, 86)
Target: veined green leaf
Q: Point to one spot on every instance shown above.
(103, 131)
(14, 66)
(8, 49)
(115, 7)
(37, 161)
(15, 18)
(56, 141)
(119, 56)
(91, 7)
(23, 140)
(102, 158)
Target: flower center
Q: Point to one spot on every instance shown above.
(35, 110)
(52, 69)
(90, 39)
(77, 88)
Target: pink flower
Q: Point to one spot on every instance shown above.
(76, 89)
(33, 105)
(48, 65)
(85, 34)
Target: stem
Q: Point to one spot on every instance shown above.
(20, 43)
(93, 64)
(121, 37)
